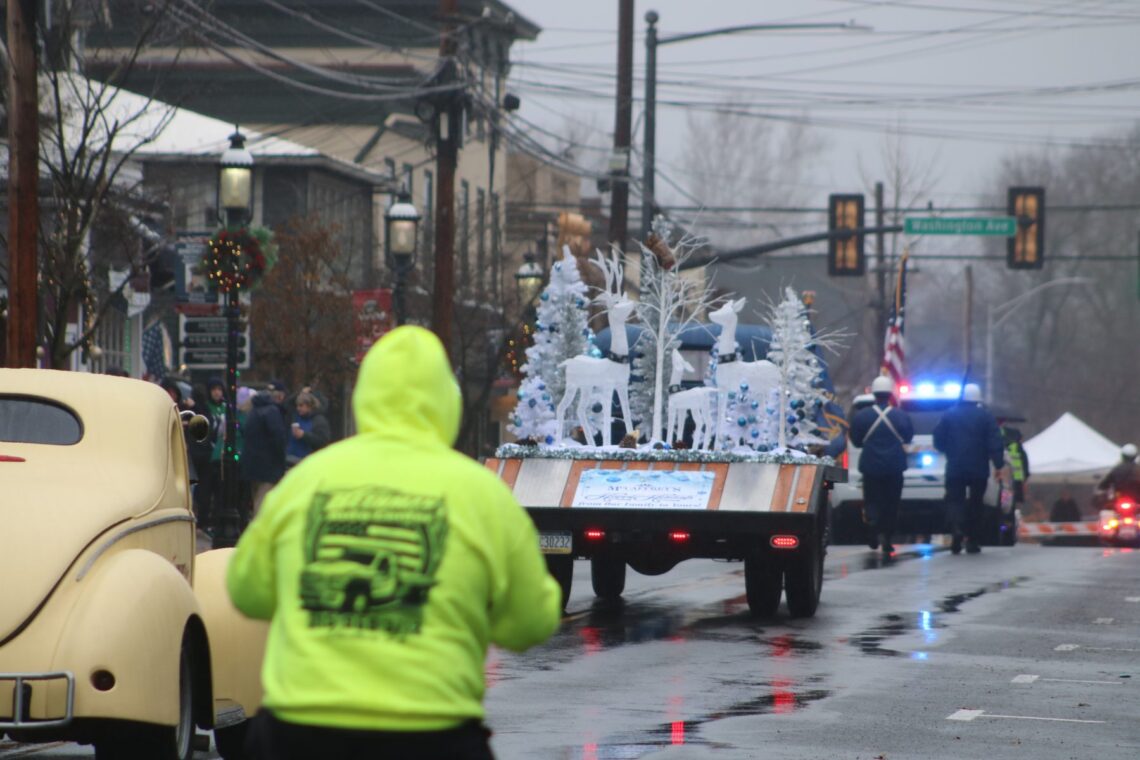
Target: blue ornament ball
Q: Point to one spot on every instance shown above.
(549, 440)
(517, 421)
(755, 433)
(596, 353)
(752, 419)
(791, 419)
(542, 386)
(579, 303)
(795, 430)
(558, 266)
(799, 414)
(532, 403)
(586, 333)
(755, 404)
(546, 397)
(742, 421)
(596, 408)
(732, 395)
(521, 394)
(744, 387)
(545, 296)
(770, 409)
(539, 326)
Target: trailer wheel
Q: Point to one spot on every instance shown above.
(561, 566)
(608, 576)
(803, 576)
(803, 582)
(763, 583)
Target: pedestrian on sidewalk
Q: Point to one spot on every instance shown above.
(882, 432)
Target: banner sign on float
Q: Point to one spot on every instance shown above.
(644, 489)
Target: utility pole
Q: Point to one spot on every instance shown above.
(23, 184)
(447, 156)
(623, 117)
(649, 147)
(880, 262)
(968, 318)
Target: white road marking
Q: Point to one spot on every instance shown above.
(968, 715)
(1027, 678)
(1066, 647)
(1110, 649)
(1103, 621)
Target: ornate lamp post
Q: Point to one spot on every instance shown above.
(401, 224)
(235, 198)
(529, 279)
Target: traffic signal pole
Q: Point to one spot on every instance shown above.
(696, 262)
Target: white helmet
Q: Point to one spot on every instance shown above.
(1128, 451)
(882, 384)
(971, 392)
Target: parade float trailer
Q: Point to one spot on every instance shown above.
(649, 510)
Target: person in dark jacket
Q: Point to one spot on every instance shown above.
(263, 447)
(309, 430)
(882, 431)
(969, 437)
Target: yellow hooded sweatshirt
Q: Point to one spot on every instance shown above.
(388, 562)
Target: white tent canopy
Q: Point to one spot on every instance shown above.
(1070, 451)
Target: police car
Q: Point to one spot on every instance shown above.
(922, 511)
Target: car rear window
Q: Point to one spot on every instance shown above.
(33, 420)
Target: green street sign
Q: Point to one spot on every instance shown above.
(996, 226)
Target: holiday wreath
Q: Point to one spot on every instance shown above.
(236, 260)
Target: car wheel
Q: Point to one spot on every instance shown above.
(562, 568)
(145, 741)
(608, 576)
(230, 741)
(763, 584)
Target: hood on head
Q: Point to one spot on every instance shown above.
(406, 385)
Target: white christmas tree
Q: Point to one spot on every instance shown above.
(561, 331)
(794, 349)
(669, 303)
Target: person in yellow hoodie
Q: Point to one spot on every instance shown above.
(387, 563)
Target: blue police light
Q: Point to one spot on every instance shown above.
(927, 460)
(952, 390)
(924, 390)
(929, 389)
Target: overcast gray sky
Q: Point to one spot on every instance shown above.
(968, 81)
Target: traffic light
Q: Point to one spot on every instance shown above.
(845, 257)
(1026, 249)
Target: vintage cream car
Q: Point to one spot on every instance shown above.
(112, 631)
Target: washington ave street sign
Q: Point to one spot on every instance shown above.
(994, 226)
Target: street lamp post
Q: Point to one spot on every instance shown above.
(652, 42)
(235, 197)
(401, 222)
(529, 279)
(1005, 310)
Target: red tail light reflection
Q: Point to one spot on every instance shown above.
(784, 542)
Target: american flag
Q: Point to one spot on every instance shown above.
(894, 346)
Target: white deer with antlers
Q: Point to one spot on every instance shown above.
(732, 371)
(693, 401)
(589, 377)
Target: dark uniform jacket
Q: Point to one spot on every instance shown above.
(883, 452)
(263, 442)
(969, 437)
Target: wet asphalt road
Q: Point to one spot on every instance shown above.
(1022, 652)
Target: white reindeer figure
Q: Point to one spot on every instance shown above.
(732, 371)
(694, 401)
(589, 377)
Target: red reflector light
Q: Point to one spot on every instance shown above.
(679, 536)
(1125, 506)
(846, 459)
(595, 534)
(784, 542)
(10, 458)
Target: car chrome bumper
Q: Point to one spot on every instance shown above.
(16, 694)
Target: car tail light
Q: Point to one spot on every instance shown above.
(784, 542)
(1109, 524)
(679, 536)
(904, 390)
(1127, 520)
(1125, 506)
(846, 459)
(595, 534)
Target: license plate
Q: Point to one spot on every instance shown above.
(1127, 533)
(556, 541)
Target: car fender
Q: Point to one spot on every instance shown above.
(237, 643)
(130, 618)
